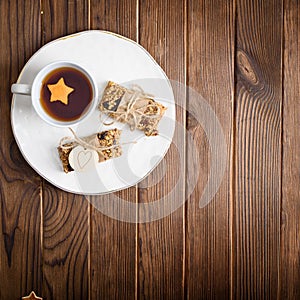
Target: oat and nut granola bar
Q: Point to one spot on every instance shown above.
(104, 139)
(142, 112)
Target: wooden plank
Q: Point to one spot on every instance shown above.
(161, 244)
(65, 216)
(64, 17)
(20, 218)
(289, 286)
(211, 74)
(113, 243)
(116, 16)
(65, 247)
(256, 215)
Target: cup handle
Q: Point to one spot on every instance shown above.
(20, 88)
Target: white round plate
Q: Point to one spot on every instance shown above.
(106, 56)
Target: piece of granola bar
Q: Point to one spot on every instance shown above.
(99, 140)
(145, 112)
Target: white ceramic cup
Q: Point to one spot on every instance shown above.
(34, 91)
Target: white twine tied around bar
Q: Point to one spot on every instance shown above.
(131, 97)
(85, 144)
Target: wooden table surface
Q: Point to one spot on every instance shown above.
(243, 57)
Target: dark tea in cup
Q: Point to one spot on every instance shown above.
(66, 94)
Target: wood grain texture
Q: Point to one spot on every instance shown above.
(161, 243)
(20, 242)
(113, 243)
(289, 285)
(211, 74)
(63, 17)
(256, 223)
(65, 216)
(65, 245)
(118, 16)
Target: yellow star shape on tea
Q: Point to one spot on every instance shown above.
(60, 91)
(32, 296)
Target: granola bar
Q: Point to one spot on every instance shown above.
(99, 140)
(145, 112)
